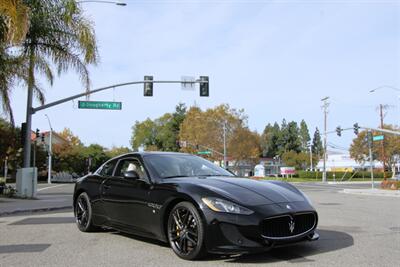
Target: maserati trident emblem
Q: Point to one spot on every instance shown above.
(291, 226)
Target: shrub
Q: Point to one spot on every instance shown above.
(340, 175)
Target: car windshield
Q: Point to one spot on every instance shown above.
(172, 166)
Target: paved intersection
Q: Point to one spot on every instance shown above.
(355, 231)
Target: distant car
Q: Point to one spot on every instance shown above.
(194, 205)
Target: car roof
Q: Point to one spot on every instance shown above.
(144, 153)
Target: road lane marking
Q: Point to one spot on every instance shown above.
(54, 186)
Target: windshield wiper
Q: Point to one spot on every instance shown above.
(175, 176)
(209, 175)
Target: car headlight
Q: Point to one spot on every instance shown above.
(220, 205)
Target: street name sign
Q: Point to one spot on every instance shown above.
(378, 137)
(204, 152)
(188, 83)
(100, 105)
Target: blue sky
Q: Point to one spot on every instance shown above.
(274, 59)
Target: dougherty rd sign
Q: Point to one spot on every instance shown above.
(100, 105)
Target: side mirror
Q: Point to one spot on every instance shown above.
(131, 175)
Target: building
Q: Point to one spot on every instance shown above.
(341, 162)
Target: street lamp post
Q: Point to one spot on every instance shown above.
(49, 150)
(388, 87)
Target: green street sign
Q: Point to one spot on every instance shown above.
(204, 152)
(100, 105)
(378, 137)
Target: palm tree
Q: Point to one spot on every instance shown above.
(14, 18)
(59, 35)
(13, 28)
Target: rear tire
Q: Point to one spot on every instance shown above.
(186, 232)
(83, 213)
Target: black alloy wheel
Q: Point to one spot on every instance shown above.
(186, 231)
(83, 213)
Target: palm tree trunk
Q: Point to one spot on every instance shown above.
(27, 135)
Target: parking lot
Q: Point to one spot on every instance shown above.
(355, 230)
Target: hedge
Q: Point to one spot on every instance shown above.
(339, 175)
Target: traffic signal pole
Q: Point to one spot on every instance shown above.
(369, 136)
(30, 111)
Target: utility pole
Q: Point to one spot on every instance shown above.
(311, 163)
(382, 142)
(325, 108)
(369, 136)
(225, 161)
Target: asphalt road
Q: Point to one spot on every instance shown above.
(355, 230)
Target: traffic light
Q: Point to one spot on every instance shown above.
(339, 131)
(148, 86)
(37, 133)
(204, 86)
(43, 137)
(23, 129)
(356, 128)
(369, 138)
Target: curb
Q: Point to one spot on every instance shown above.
(14, 212)
(373, 192)
(354, 182)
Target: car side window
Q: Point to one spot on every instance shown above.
(130, 164)
(108, 168)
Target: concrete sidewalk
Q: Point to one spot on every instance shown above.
(49, 198)
(373, 192)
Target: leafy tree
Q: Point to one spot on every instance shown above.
(160, 134)
(144, 133)
(10, 146)
(294, 159)
(97, 155)
(360, 152)
(244, 145)
(116, 151)
(206, 128)
(304, 136)
(317, 147)
(283, 137)
(293, 141)
(270, 140)
(69, 136)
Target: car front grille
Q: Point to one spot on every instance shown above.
(286, 226)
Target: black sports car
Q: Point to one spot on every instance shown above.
(193, 204)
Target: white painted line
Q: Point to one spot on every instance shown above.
(373, 192)
(320, 186)
(54, 186)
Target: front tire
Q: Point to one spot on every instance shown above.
(83, 213)
(186, 232)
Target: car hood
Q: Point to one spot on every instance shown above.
(247, 191)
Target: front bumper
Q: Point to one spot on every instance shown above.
(239, 234)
